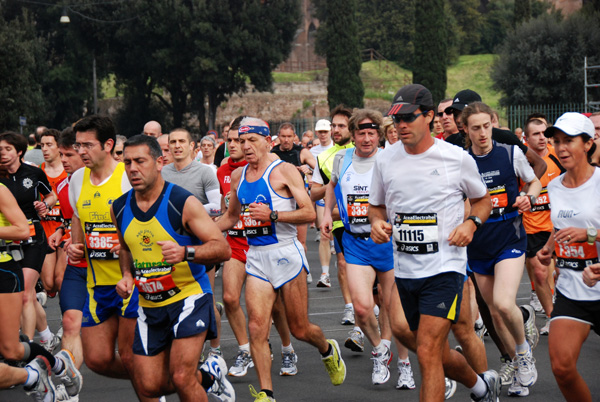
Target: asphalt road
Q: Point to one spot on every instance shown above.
(312, 383)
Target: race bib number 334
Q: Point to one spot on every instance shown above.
(416, 233)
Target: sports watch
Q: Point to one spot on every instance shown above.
(274, 216)
(592, 233)
(475, 220)
(190, 254)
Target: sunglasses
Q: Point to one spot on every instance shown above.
(451, 111)
(119, 152)
(407, 117)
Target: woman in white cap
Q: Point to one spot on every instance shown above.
(576, 219)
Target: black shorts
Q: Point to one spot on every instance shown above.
(535, 242)
(34, 255)
(11, 277)
(587, 312)
(438, 296)
(339, 234)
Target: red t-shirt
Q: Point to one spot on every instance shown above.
(62, 191)
(236, 236)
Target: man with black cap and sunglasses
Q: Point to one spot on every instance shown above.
(416, 198)
(465, 97)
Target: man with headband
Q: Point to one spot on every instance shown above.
(264, 195)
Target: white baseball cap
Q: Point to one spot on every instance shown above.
(572, 124)
(323, 125)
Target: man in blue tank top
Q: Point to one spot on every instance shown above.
(269, 196)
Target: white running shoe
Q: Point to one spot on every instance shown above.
(348, 317)
(506, 372)
(492, 380)
(70, 377)
(42, 298)
(516, 389)
(52, 344)
(405, 376)
(535, 302)
(324, 281)
(450, 388)
(545, 330)
(43, 390)
(526, 371)
(221, 390)
(243, 361)
(309, 278)
(381, 370)
(531, 332)
(288, 363)
(356, 341)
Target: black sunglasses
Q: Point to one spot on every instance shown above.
(406, 117)
(451, 110)
(119, 152)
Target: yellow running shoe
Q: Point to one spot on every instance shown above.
(334, 364)
(260, 396)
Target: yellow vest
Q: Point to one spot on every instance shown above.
(4, 256)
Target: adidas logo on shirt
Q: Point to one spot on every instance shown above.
(434, 173)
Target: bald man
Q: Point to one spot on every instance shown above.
(153, 129)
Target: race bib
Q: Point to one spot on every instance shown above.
(254, 228)
(499, 200)
(575, 256)
(54, 214)
(156, 288)
(358, 209)
(237, 230)
(100, 237)
(542, 203)
(416, 233)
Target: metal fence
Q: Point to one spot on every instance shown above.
(517, 114)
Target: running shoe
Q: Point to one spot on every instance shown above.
(334, 364)
(480, 329)
(535, 302)
(356, 341)
(318, 236)
(381, 370)
(43, 390)
(531, 332)
(516, 389)
(450, 388)
(545, 330)
(70, 377)
(288, 363)
(492, 380)
(243, 361)
(215, 352)
(405, 376)
(42, 298)
(348, 317)
(260, 396)
(506, 372)
(62, 394)
(309, 278)
(220, 308)
(52, 344)
(221, 390)
(526, 371)
(324, 281)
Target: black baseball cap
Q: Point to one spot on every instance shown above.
(409, 98)
(463, 98)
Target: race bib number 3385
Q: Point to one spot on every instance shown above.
(416, 233)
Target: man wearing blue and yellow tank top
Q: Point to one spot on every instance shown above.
(107, 318)
(268, 195)
(166, 236)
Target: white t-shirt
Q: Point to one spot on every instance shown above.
(576, 207)
(76, 184)
(316, 150)
(423, 195)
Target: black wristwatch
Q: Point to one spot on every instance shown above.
(190, 254)
(475, 220)
(274, 216)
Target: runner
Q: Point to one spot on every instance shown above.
(27, 183)
(165, 236)
(497, 252)
(576, 219)
(367, 262)
(266, 193)
(429, 236)
(107, 318)
(234, 273)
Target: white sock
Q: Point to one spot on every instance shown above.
(245, 347)
(349, 305)
(480, 388)
(325, 269)
(288, 349)
(479, 321)
(379, 348)
(32, 377)
(46, 335)
(523, 348)
(405, 361)
(387, 343)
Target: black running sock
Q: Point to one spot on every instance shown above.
(506, 358)
(525, 314)
(329, 351)
(207, 379)
(268, 392)
(32, 350)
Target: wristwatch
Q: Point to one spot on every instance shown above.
(274, 216)
(532, 198)
(190, 254)
(475, 220)
(592, 233)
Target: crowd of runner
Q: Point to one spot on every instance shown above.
(433, 213)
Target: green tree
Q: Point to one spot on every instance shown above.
(469, 21)
(542, 61)
(337, 41)
(522, 11)
(430, 53)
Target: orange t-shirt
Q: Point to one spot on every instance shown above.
(54, 217)
(538, 220)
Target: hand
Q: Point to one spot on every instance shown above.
(260, 212)
(381, 231)
(591, 275)
(55, 239)
(462, 235)
(545, 255)
(304, 169)
(76, 252)
(172, 252)
(40, 208)
(571, 235)
(326, 226)
(116, 249)
(523, 203)
(125, 287)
